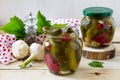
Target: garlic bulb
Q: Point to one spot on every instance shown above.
(36, 53)
(20, 49)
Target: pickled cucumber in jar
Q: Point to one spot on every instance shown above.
(62, 51)
(97, 26)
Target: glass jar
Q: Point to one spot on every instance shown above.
(97, 26)
(62, 50)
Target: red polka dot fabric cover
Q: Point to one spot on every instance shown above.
(6, 41)
(68, 21)
(40, 38)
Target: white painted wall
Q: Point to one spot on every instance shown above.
(54, 8)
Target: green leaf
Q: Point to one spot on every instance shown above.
(59, 25)
(96, 64)
(15, 26)
(42, 21)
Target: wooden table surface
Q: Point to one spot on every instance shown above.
(39, 71)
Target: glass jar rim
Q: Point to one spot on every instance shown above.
(51, 32)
